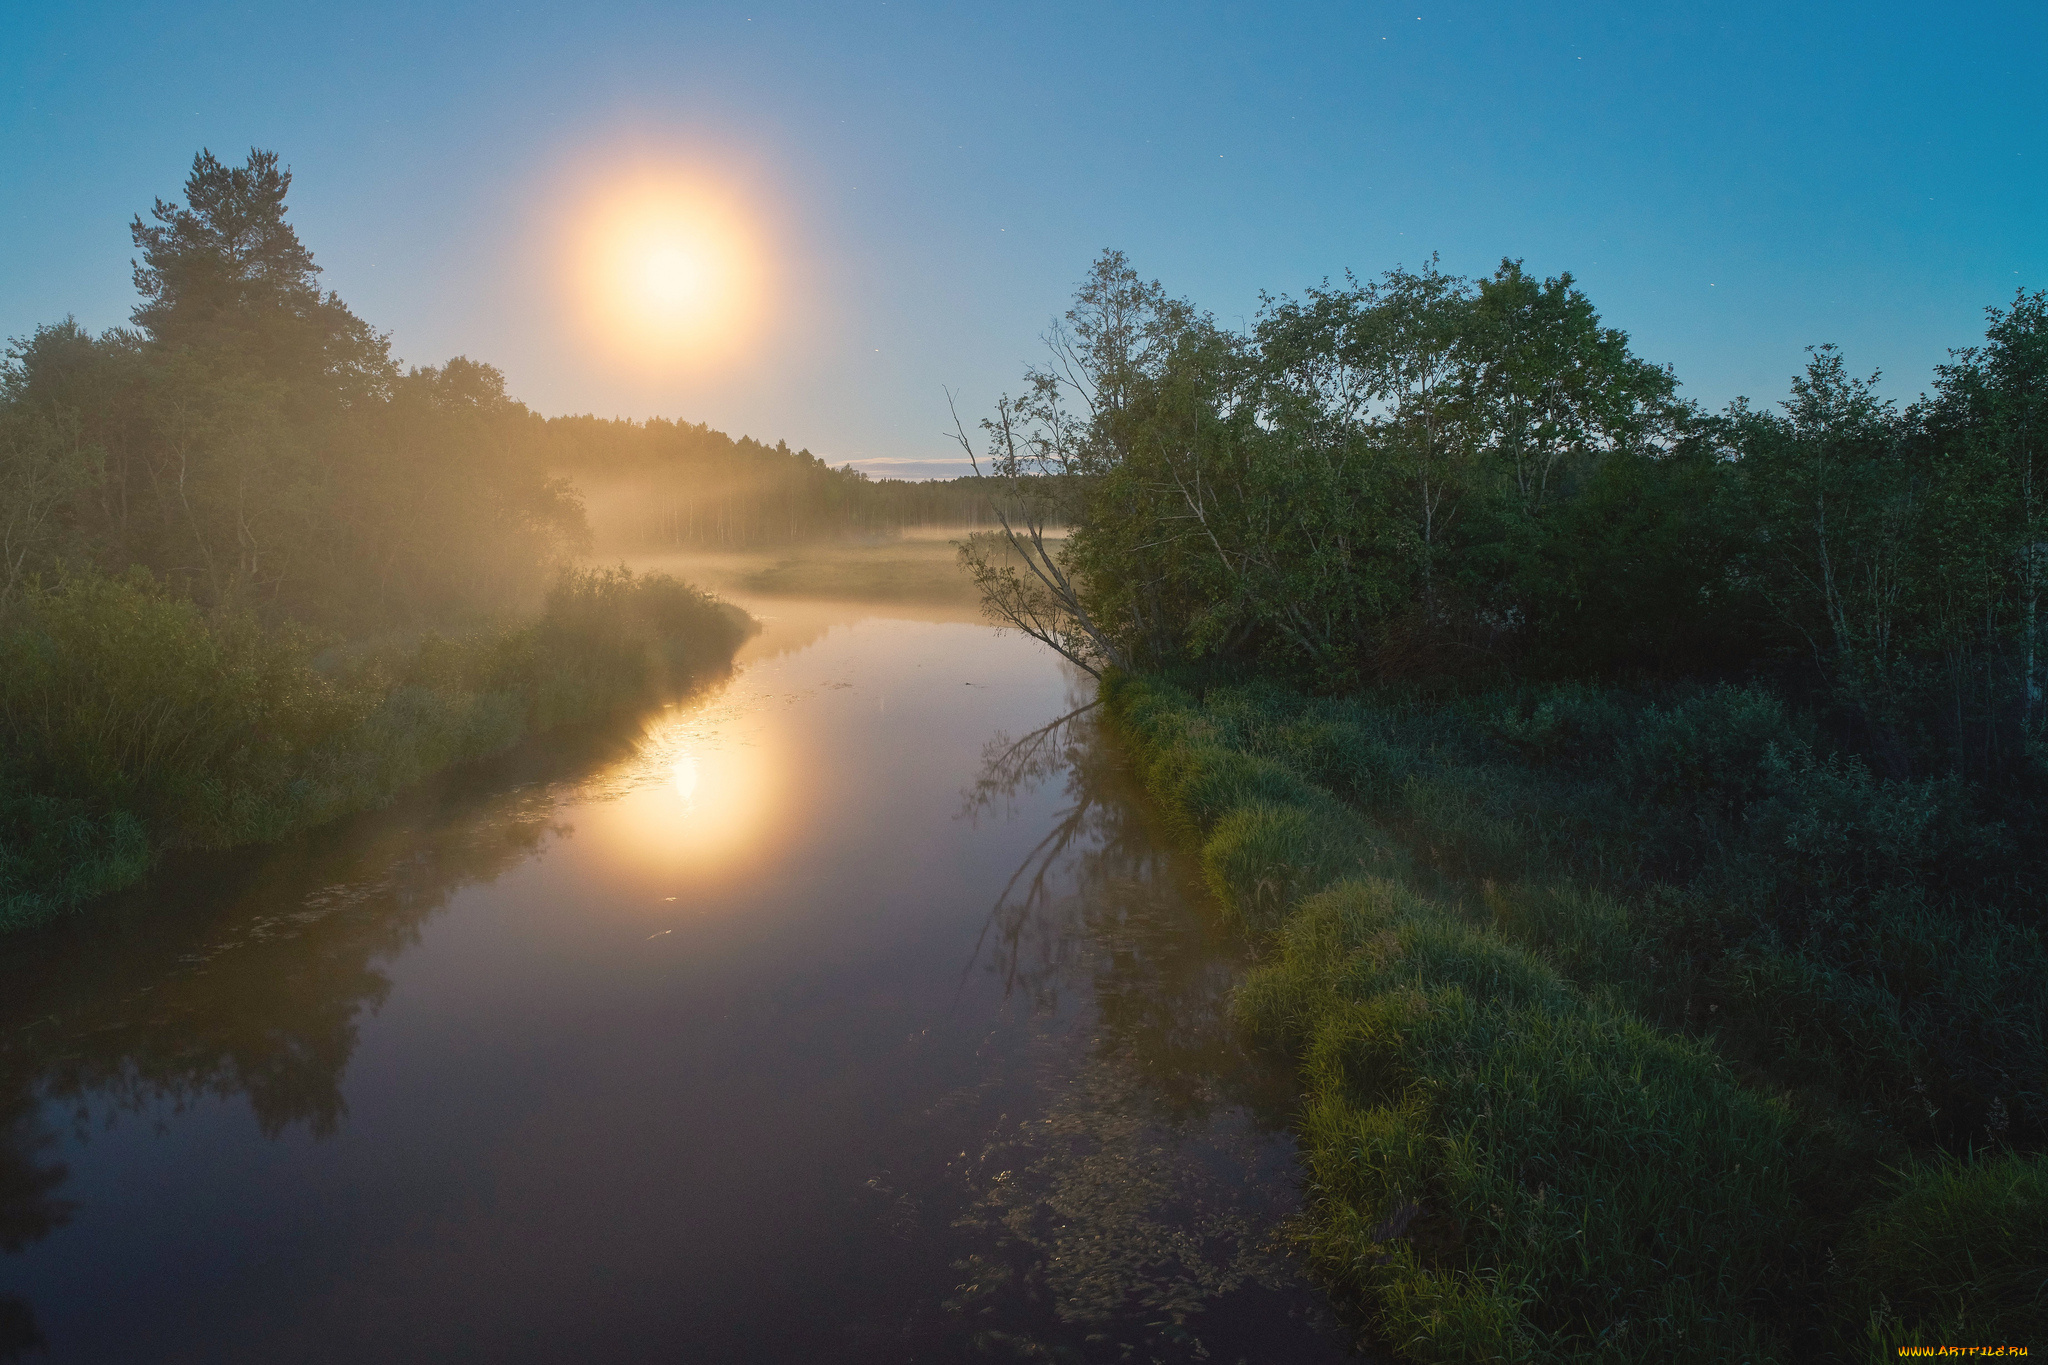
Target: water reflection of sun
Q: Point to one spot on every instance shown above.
(695, 803)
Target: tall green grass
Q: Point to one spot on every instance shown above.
(1958, 1253)
(133, 722)
(1587, 1075)
(1875, 941)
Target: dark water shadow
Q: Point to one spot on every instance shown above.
(245, 974)
(1123, 1185)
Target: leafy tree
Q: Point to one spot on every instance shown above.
(225, 271)
(1551, 388)
(1984, 433)
(1837, 508)
(1044, 459)
(1360, 487)
(44, 464)
(250, 444)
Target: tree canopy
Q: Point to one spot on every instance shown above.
(1429, 478)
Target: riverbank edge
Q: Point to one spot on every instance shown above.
(1499, 1164)
(437, 704)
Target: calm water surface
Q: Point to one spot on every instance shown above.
(849, 1009)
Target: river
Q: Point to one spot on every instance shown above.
(847, 1009)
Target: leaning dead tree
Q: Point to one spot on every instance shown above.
(1033, 468)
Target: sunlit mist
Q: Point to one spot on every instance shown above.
(668, 270)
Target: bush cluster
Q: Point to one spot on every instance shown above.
(1871, 938)
(1604, 1092)
(135, 722)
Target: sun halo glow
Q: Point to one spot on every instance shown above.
(668, 271)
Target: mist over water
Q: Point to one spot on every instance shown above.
(849, 1009)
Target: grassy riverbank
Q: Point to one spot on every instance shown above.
(1629, 1030)
(134, 722)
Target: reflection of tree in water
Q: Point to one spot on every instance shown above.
(1157, 1178)
(223, 977)
(1101, 912)
(1030, 958)
(1131, 1191)
(29, 1209)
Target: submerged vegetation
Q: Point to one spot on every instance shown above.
(253, 577)
(1638, 808)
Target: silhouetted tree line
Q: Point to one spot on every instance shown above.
(1428, 478)
(250, 442)
(661, 483)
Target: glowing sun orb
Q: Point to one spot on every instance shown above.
(668, 270)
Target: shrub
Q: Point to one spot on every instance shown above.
(133, 722)
(1874, 941)
(55, 852)
(117, 694)
(1502, 1166)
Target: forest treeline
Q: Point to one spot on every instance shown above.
(1640, 806)
(1425, 478)
(661, 484)
(255, 574)
(251, 444)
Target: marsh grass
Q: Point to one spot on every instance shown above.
(1706, 859)
(1610, 1013)
(1958, 1252)
(134, 722)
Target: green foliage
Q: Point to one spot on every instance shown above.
(1524, 579)
(1432, 480)
(44, 464)
(134, 722)
(119, 693)
(1697, 853)
(1576, 1185)
(1625, 1085)
(185, 507)
(1501, 1165)
(56, 853)
(1377, 479)
(253, 446)
(609, 638)
(1959, 1253)
(224, 272)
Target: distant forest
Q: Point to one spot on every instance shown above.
(663, 483)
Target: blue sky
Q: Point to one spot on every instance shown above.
(1730, 183)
